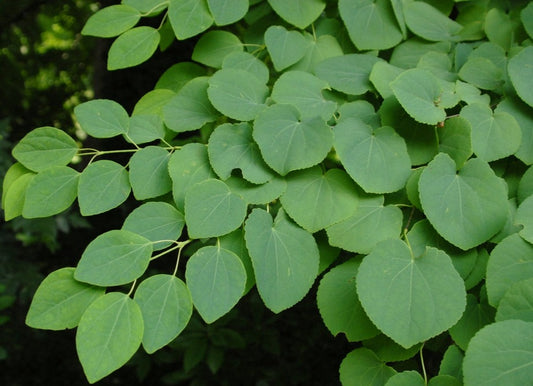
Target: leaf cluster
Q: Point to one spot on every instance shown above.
(386, 143)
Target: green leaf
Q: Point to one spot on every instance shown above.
(45, 147)
(166, 307)
(145, 128)
(237, 93)
(381, 75)
(376, 159)
(300, 13)
(510, 262)
(14, 172)
(289, 143)
(318, 49)
(156, 221)
(190, 108)
(371, 223)
(525, 186)
(149, 172)
(467, 208)
(50, 192)
(429, 23)
(103, 185)
(188, 166)
(521, 73)
(316, 201)
(212, 210)
(214, 46)
(285, 258)
(339, 304)
(152, 102)
(452, 362)
(227, 12)
(303, 91)
(499, 28)
(111, 21)
(230, 147)
(476, 316)
(109, 333)
(524, 216)
(494, 135)
(517, 301)
(285, 47)
(526, 16)
(102, 118)
(521, 112)
(133, 47)
(148, 7)
(216, 278)
(177, 75)
(455, 139)
(359, 109)
(388, 350)
(16, 195)
(189, 17)
(257, 194)
(500, 353)
(348, 73)
(407, 54)
(419, 93)
(60, 301)
(235, 243)
(362, 367)
(482, 73)
(406, 378)
(371, 24)
(410, 298)
(114, 258)
(248, 62)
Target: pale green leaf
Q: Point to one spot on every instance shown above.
(482, 73)
(315, 200)
(300, 13)
(339, 304)
(177, 75)
(388, 350)
(362, 367)
(371, 24)
(348, 73)
(114, 258)
(15, 196)
(230, 147)
(419, 93)
(510, 262)
(109, 333)
(500, 354)
(102, 118)
(409, 297)
(318, 49)
(257, 194)
(216, 278)
(524, 217)
(452, 362)
(526, 16)
(285, 258)
(45, 147)
(147, 6)
(149, 172)
(188, 166)
(303, 91)
(521, 73)
(237, 93)
(50, 192)
(381, 75)
(494, 135)
(499, 28)
(214, 46)
(103, 185)
(190, 108)
(371, 223)
(145, 128)
(133, 47)
(153, 102)
(227, 11)
(60, 301)
(12, 174)
(247, 62)
(522, 113)
(429, 23)
(166, 307)
(517, 303)
(406, 378)
(189, 17)
(467, 208)
(285, 47)
(376, 159)
(111, 21)
(156, 221)
(212, 210)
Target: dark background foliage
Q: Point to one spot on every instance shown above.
(48, 68)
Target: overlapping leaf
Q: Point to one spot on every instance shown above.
(133, 47)
(285, 47)
(111, 21)
(300, 13)
(149, 172)
(189, 17)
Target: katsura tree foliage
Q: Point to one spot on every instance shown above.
(381, 149)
